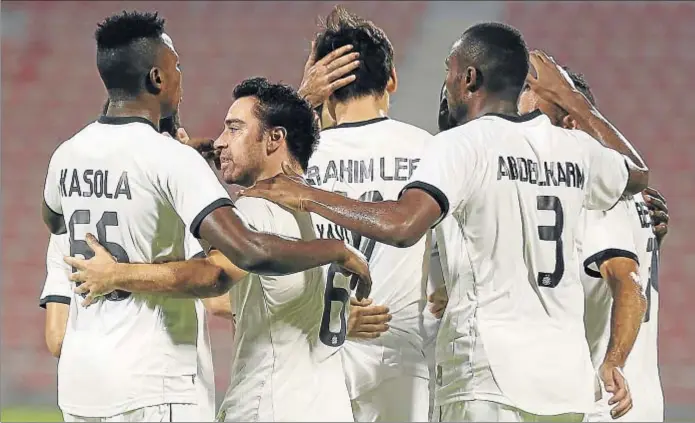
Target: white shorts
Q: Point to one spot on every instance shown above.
(399, 399)
(154, 413)
(487, 411)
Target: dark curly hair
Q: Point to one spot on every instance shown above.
(281, 105)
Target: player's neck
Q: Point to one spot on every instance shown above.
(133, 108)
(497, 106)
(360, 109)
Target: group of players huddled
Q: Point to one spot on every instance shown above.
(503, 270)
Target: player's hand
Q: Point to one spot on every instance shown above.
(551, 82)
(287, 189)
(658, 210)
(322, 78)
(95, 276)
(367, 321)
(204, 146)
(354, 264)
(615, 383)
(438, 301)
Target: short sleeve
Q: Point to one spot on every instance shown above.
(191, 186)
(51, 188)
(57, 287)
(605, 235)
(448, 168)
(607, 176)
(256, 213)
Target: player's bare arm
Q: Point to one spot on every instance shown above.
(321, 78)
(367, 321)
(658, 210)
(629, 306)
(198, 278)
(55, 326)
(553, 86)
(399, 223)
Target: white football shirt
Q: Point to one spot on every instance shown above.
(121, 180)
(515, 188)
(284, 366)
(372, 161)
(624, 231)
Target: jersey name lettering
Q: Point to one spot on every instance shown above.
(542, 174)
(361, 171)
(93, 183)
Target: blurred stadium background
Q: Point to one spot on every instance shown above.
(637, 56)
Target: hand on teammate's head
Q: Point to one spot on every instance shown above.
(551, 82)
(321, 78)
(658, 210)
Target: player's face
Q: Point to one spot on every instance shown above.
(168, 63)
(241, 144)
(456, 97)
(530, 101)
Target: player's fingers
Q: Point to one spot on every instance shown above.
(182, 136)
(259, 190)
(621, 409)
(342, 65)
(89, 300)
(375, 320)
(93, 243)
(312, 57)
(334, 54)
(340, 83)
(654, 193)
(75, 262)
(364, 287)
(619, 395)
(366, 335)
(375, 310)
(83, 288)
(364, 303)
(659, 216)
(372, 328)
(287, 170)
(655, 203)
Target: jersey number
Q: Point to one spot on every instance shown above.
(340, 295)
(79, 246)
(554, 234)
(653, 281)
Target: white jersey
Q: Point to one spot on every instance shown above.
(121, 180)
(372, 161)
(624, 231)
(515, 188)
(285, 367)
(59, 289)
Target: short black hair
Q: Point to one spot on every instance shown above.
(127, 47)
(580, 84)
(281, 105)
(499, 52)
(376, 52)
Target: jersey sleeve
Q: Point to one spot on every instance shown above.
(605, 235)
(192, 247)
(256, 213)
(51, 188)
(607, 176)
(447, 170)
(191, 186)
(57, 287)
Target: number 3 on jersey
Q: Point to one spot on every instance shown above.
(554, 234)
(79, 246)
(335, 294)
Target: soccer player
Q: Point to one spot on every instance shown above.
(515, 185)
(368, 156)
(619, 255)
(134, 357)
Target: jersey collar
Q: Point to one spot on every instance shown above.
(124, 120)
(358, 124)
(517, 119)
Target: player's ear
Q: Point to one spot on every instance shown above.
(276, 137)
(153, 83)
(568, 122)
(392, 84)
(472, 79)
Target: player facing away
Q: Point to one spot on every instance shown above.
(516, 186)
(58, 298)
(619, 257)
(123, 180)
(370, 157)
